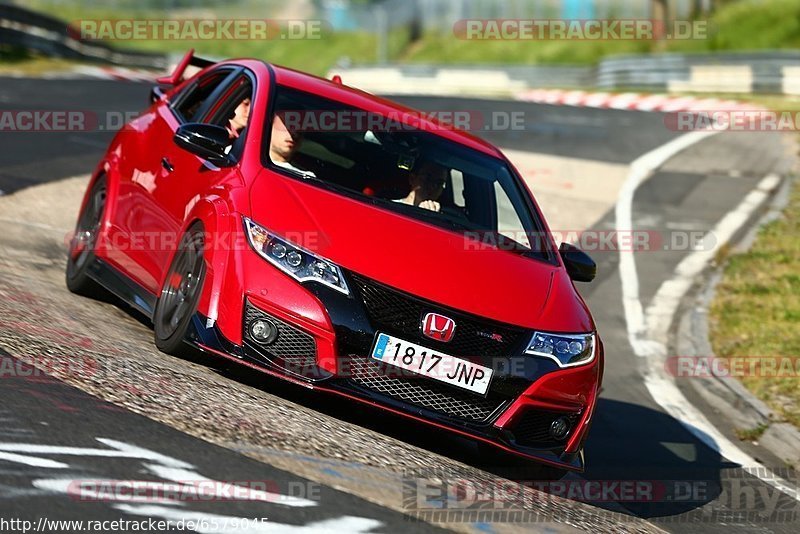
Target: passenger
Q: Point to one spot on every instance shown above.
(239, 120)
(427, 181)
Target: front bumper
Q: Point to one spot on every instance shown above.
(525, 397)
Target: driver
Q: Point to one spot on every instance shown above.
(427, 181)
(283, 145)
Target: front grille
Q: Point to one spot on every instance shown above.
(397, 313)
(423, 392)
(533, 428)
(294, 350)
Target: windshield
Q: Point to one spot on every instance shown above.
(400, 168)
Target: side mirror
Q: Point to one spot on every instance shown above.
(580, 267)
(208, 141)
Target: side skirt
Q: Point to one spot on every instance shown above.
(123, 287)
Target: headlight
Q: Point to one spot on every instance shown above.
(297, 262)
(568, 350)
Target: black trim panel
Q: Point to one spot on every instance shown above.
(123, 287)
(210, 340)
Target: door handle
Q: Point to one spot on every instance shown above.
(166, 164)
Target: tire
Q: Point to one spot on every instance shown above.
(81, 254)
(180, 293)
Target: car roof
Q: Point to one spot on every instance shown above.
(368, 102)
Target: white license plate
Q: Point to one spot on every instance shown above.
(433, 364)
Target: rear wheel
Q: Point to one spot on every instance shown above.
(180, 293)
(81, 253)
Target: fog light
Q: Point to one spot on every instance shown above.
(263, 332)
(559, 428)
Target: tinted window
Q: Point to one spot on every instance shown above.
(194, 96)
(232, 111)
(414, 172)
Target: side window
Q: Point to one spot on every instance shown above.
(457, 179)
(192, 99)
(508, 221)
(232, 111)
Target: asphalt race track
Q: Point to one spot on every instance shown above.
(253, 428)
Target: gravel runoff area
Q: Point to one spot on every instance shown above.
(109, 353)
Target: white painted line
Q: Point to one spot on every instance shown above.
(191, 479)
(648, 332)
(640, 169)
(32, 461)
(208, 523)
(119, 450)
(685, 226)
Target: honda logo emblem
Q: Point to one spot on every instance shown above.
(438, 327)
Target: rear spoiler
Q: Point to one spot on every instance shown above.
(177, 75)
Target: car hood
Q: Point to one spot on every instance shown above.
(418, 258)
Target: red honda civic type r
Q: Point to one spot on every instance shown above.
(347, 244)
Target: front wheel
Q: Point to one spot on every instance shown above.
(180, 293)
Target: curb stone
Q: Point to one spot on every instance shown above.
(726, 394)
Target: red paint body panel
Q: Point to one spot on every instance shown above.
(419, 258)
(150, 207)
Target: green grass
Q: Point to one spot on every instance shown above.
(445, 48)
(737, 25)
(751, 434)
(756, 310)
(316, 56)
(754, 25)
(742, 25)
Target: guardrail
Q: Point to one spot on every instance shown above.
(733, 72)
(769, 72)
(23, 28)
